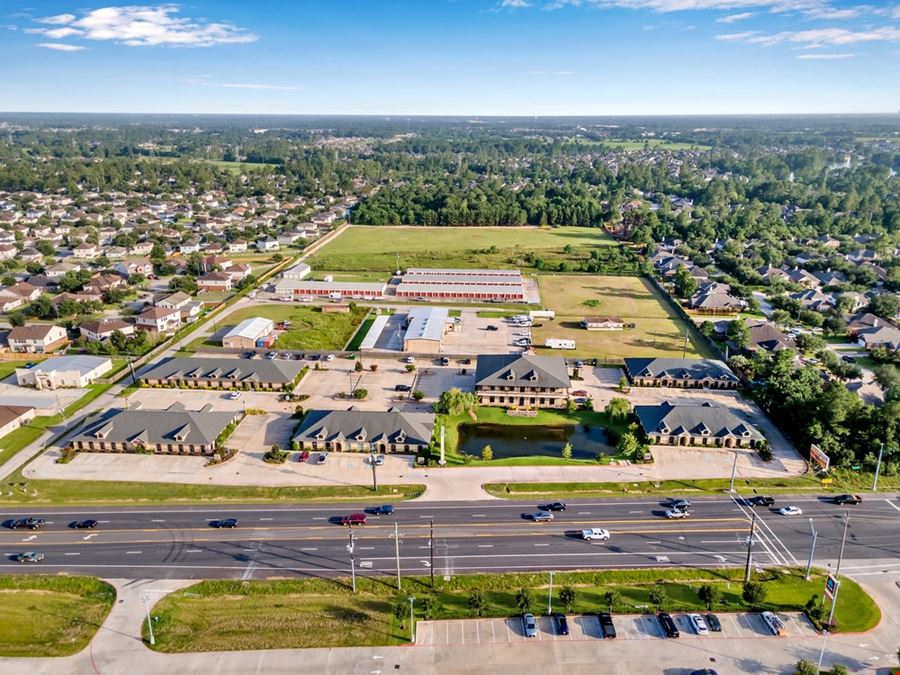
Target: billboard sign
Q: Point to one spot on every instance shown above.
(819, 458)
(831, 586)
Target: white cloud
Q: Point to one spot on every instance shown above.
(736, 37)
(146, 25)
(816, 37)
(825, 57)
(60, 47)
(55, 33)
(205, 82)
(515, 4)
(731, 18)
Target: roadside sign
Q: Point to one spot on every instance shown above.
(856, 467)
(816, 456)
(831, 586)
(827, 481)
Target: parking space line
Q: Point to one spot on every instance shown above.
(462, 632)
(493, 636)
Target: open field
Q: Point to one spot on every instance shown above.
(367, 249)
(226, 615)
(657, 332)
(51, 615)
(311, 328)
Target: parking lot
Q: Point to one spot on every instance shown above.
(587, 627)
(472, 336)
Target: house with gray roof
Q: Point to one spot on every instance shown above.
(223, 373)
(175, 430)
(522, 381)
(683, 373)
(704, 425)
(365, 431)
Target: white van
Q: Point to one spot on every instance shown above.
(595, 533)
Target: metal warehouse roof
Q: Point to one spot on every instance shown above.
(336, 286)
(486, 279)
(428, 271)
(251, 329)
(426, 323)
(458, 289)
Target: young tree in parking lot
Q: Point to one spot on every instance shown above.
(658, 597)
(571, 406)
(805, 667)
(523, 600)
(567, 451)
(418, 395)
(476, 602)
(754, 593)
(487, 453)
(358, 366)
(611, 598)
(710, 595)
(373, 367)
(567, 597)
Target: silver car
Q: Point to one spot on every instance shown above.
(529, 625)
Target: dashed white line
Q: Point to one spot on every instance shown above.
(542, 544)
(267, 519)
(320, 518)
(133, 552)
(310, 548)
(366, 548)
(71, 554)
(161, 520)
(193, 550)
(426, 516)
(485, 546)
(479, 515)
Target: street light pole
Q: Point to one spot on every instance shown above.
(877, 469)
(431, 556)
(750, 549)
(825, 635)
(149, 621)
(733, 472)
(412, 621)
(812, 551)
(550, 597)
(837, 573)
(374, 477)
(352, 561)
(397, 552)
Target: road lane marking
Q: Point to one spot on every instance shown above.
(542, 544)
(193, 550)
(366, 548)
(133, 552)
(267, 519)
(161, 520)
(891, 504)
(426, 516)
(479, 515)
(485, 546)
(310, 548)
(320, 518)
(71, 554)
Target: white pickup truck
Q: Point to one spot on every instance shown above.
(595, 533)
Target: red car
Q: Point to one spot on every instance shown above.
(303, 456)
(354, 519)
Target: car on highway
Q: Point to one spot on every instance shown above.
(228, 523)
(540, 516)
(88, 524)
(855, 500)
(668, 625)
(560, 624)
(676, 513)
(790, 511)
(354, 519)
(553, 506)
(529, 625)
(761, 500)
(234, 396)
(384, 510)
(713, 622)
(680, 504)
(29, 523)
(774, 624)
(303, 456)
(607, 628)
(322, 458)
(30, 557)
(698, 624)
(271, 356)
(592, 533)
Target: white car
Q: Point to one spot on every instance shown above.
(790, 511)
(329, 357)
(676, 513)
(410, 359)
(774, 623)
(595, 533)
(698, 624)
(234, 396)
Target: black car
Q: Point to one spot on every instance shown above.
(30, 523)
(606, 625)
(554, 506)
(225, 522)
(402, 387)
(88, 524)
(560, 624)
(704, 671)
(847, 499)
(713, 622)
(384, 510)
(492, 327)
(761, 500)
(679, 504)
(668, 625)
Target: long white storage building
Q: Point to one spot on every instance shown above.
(355, 290)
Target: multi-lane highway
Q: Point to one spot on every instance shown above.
(273, 541)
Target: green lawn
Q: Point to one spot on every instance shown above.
(223, 615)
(312, 328)
(375, 248)
(361, 333)
(8, 368)
(51, 615)
(657, 332)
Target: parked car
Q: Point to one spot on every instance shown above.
(234, 395)
(322, 458)
(492, 327)
(529, 625)
(445, 361)
(554, 506)
(761, 500)
(329, 357)
(790, 511)
(354, 519)
(774, 624)
(402, 387)
(30, 523)
(88, 524)
(384, 510)
(677, 513)
(607, 628)
(303, 456)
(30, 557)
(379, 460)
(668, 625)
(855, 500)
(228, 523)
(713, 622)
(560, 624)
(593, 533)
(580, 393)
(409, 359)
(541, 516)
(698, 624)
(704, 671)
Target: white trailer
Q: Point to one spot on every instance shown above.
(542, 314)
(559, 344)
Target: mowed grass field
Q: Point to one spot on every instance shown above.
(657, 332)
(375, 248)
(311, 327)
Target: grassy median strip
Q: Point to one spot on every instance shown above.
(224, 615)
(51, 615)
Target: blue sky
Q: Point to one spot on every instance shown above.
(452, 57)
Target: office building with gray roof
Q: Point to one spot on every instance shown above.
(705, 425)
(522, 381)
(684, 373)
(223, 373)
(365, 431)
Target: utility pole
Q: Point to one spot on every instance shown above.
(550, 597)
(374, 477)
(397, 551)
(684, 351)
(149, 621)
(733, 472)
(837, 572)
(431, 562)
(877, 469)
(412, 621)
(750, 548)
(352, 561)
(812, 551)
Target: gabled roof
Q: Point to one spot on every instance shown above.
(260, 370)
(679, 369)
(152, 427)
(413, 428)
(514, 370)
(695, 420)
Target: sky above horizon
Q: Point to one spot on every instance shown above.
(452, 57)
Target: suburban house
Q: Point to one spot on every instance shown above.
(224, 373)
(705, 425)
(365, 431)
(39, 338)
(684, 373)
(214, 281)
(884, 336)
(764, 335)
(268, 245)
(129, 267)
(515, 380)
(248, 332)
(175, 301)
(64, 371)
(602, 323)
(14, 416)
(102, 329)
(237, 246)
(865, 321)
(171, 431)
(159, 320)
(85, 251)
